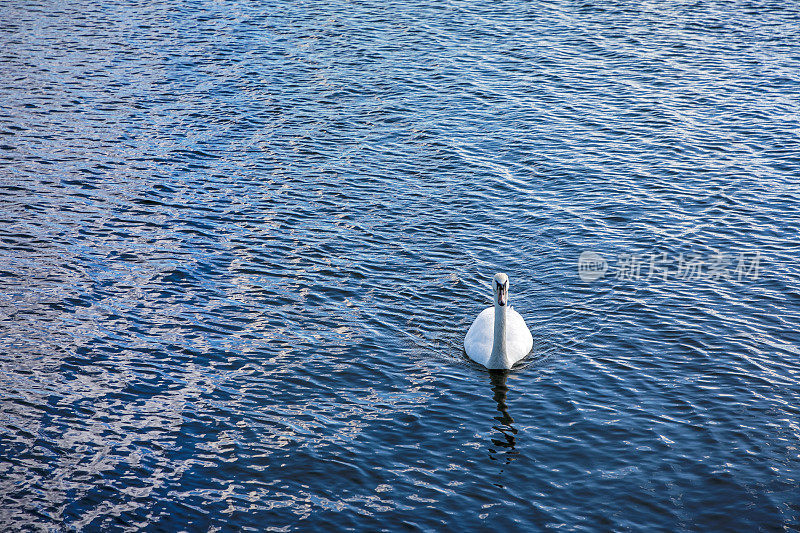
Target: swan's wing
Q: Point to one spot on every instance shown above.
(519, 341)
(480, 337)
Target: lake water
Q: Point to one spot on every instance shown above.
(241, 243)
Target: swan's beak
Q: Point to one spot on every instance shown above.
(502, 295)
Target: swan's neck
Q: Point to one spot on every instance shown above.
(499, 357)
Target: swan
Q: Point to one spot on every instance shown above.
(499, 337)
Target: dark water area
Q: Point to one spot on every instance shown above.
(241, 243)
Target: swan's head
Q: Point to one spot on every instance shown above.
(500, 287)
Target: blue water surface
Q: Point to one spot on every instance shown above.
(241, 243)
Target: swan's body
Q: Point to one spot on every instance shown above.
(499, 336)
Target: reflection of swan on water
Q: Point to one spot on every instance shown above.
(507, 443)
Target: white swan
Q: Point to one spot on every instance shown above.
(499, 337)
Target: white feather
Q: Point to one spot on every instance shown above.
(480, 342)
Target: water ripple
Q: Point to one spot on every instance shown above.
(241, 244)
